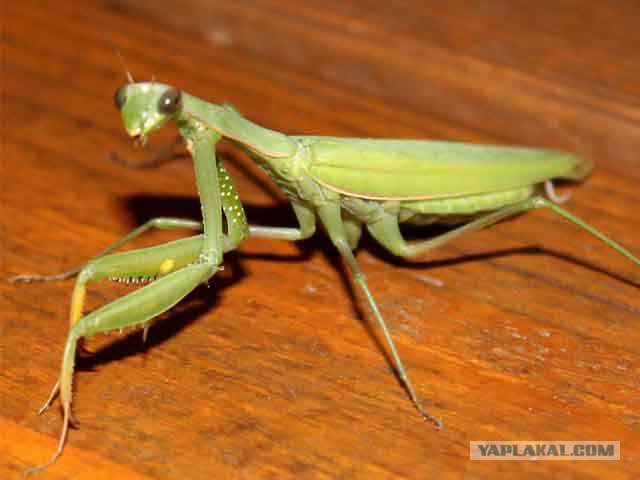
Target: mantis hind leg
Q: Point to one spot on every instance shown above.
(162, 223)
(387, 232)
(334, 224)
(543, 202)
(179, 277)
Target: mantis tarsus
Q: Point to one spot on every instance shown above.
(344, 183)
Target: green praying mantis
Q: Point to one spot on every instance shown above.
(343, 183)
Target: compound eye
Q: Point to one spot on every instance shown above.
(120, 97)
(170, 102)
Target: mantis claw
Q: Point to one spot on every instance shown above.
(437, 423)
(145, 331)
(82, 347)
(54, 392)
(73, 421)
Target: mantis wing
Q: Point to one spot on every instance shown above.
(415, 169)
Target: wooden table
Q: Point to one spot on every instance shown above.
(275, 370)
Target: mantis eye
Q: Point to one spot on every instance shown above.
(170, 102)
(120, 97)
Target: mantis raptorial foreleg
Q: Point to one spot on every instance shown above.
(133, 309)
(144, 263)
(387, 232)
(135, 266)
(185, 268)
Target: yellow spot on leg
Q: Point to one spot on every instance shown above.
(77, 302)
(167, 266)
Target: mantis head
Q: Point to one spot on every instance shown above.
(147, 106)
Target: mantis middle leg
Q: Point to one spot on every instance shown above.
(331, 217)
(304, 215)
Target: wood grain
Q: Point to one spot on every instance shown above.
(274, 370)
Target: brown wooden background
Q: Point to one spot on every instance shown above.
(274, 371)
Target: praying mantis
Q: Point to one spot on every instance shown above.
(344, 184)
